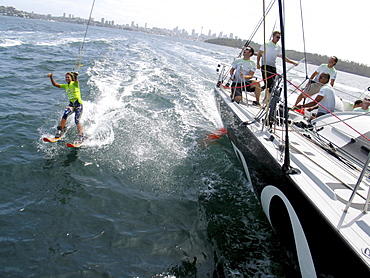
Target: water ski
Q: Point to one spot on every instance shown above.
(54, 139)
(74, 145)
(51, 139)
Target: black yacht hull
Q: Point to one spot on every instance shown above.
(311, 242)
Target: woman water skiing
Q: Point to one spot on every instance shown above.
(75, 103)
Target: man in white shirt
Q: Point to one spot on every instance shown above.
(364, 106)
(326, 97)
(268, 68)
(242, 71)
(314, 85)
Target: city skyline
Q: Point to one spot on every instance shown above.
(194, 33)
(13, 11)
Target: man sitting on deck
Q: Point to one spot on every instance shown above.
(326, 97)
(244, 69)
(364, 106)
(314, 84)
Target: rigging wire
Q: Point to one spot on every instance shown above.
(257, 27)
(79, 59)
(365, 93)
(273, 28)
(264, 45)
(304, 40)
(264, 65)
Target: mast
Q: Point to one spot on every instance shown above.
(286, 165)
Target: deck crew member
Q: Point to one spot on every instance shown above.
(314, 85)
(364, 106)
(326, 97)
(268, 68)
(242, 71)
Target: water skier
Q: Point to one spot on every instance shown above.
(75, 103)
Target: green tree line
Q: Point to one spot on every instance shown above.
(314, 59)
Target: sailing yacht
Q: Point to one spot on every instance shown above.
(310, 176)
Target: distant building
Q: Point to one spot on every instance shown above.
(176, 32)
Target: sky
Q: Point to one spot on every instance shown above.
(329, 27)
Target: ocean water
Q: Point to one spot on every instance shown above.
(148, 195)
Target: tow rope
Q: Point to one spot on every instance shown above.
(79, 59)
